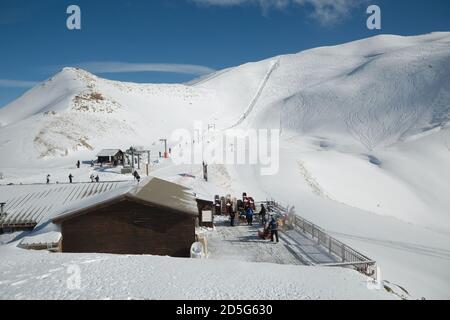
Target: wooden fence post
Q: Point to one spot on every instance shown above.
(343, 252)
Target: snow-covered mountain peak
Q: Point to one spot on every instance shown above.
(75, 77)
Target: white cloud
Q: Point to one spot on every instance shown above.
(8, 83)
(325, 11)
(228, 3)
(331, 11)
(122, 67)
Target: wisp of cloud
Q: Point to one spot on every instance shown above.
(125, 67)
(327, 12)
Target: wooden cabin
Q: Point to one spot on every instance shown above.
(112, 156)
(156, 217)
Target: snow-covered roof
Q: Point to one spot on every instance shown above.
(40, 202)
(167, 194)
(204, 197)
(108, 152)
(51, 237)
(151, 190)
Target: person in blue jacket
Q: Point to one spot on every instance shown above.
(249, 216)
(273, 225)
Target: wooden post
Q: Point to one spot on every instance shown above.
(343, 253)
(329, 245)
(166, 154)
(205, 171)
(2, 206)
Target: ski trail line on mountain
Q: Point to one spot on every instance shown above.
(261, 88)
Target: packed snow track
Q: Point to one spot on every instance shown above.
(241, 243)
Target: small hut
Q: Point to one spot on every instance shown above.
(112, 156)
(155, 217)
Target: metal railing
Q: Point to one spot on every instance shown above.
(348, 256)
(18, 224)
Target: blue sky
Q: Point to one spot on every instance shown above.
(130, 39)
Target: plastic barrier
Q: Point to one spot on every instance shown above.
(197, 251)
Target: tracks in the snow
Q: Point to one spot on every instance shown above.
(273, 67)
(243, 244)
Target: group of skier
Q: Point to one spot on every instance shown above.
(93, 178)
(247, 208)
(71, 176)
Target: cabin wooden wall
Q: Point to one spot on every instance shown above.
(129, 228)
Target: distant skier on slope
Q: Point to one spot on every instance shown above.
(78, 164)
(97, 179)
(70, 178)
(137, 176)
(92, 178)
(48, 179)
